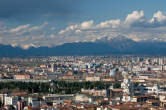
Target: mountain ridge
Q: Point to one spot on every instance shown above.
(99, 47)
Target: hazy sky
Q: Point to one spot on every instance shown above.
(36, 23)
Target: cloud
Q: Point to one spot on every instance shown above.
(36, 28)
(87, 24)
(26, 35)
(158, 18)
(109, 23)
(68, 29)
(135, 26)
(136, 17)
(19, 28)
(78, 27)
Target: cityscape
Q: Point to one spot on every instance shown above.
(82, 55)
(83, 83)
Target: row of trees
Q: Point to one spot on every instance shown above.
(24, 86)
(59, 87)
(75, 87)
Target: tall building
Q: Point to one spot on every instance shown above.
(52, 67)
(127, 88)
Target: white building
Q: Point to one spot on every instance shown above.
(10, 100)
(82, 98)
(127, 88)
(153, 89)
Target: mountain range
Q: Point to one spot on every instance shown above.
(103, 46)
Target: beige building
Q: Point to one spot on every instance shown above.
(92, 79)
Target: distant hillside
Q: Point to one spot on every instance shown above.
(104, 46)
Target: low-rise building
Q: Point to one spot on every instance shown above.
(21, 76)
